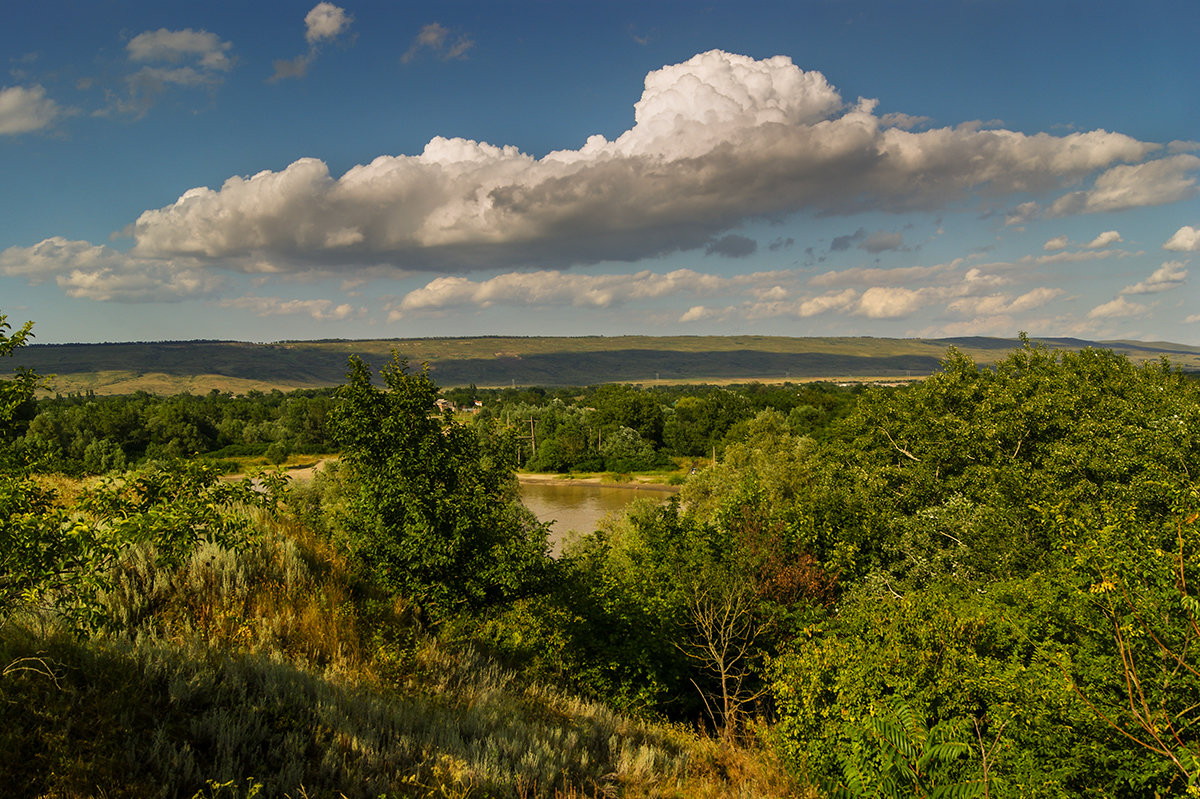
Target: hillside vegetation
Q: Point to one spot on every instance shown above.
(982, 584)
(201, 366)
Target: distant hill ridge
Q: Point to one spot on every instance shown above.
(203, 365)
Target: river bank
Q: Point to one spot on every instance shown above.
(634, 483)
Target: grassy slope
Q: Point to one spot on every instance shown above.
(255, 666)
(172, 367)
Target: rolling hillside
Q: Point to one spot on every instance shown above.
(201, 366)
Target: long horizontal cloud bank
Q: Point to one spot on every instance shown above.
(717, 140)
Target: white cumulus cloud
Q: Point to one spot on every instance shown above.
(325, 21)
(1119, 308)
(98, 272)
(1186, 239)
(1104, 239)
(23, 110)
(320, 310)
(717, 140)
(894, 302)
(991, 305)
(1165, 180)
(1170, 275)
(548, 288)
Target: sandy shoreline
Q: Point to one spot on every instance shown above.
(634, 484)
(305, 473)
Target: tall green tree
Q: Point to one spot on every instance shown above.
(32, 549)
(434, 516)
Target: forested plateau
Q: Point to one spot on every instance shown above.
(982, 583)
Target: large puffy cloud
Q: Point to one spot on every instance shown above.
(98, 272)
(26, 109)
(717, 140)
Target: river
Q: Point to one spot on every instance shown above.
(579, 507)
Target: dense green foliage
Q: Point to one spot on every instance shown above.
(166, 634)
(1005, 553)
(86, 434)
(980, 585)
(434, 514)
(622, 428)
(971, 518)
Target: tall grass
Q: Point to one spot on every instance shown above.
(254, 668)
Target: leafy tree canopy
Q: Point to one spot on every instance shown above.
(434, 512)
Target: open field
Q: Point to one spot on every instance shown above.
(238, 367)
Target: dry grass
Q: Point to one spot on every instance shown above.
(253, 668)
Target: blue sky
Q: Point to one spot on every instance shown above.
(813, 168)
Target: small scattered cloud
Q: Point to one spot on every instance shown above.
(877, 242)
(880, 241)
(843, 243)
(444, 43)
(320, 310)
(1023, 214)
(323, 23)
(1159, 182)
(185, 58)
(641, 38)
(1171, 275)
(548, 288)
(1186, 239)
(1056, 243)
(864, 276)
(1105, 239)
(732, 246)
(1120, 308)
(286, 68)
(699, 313)
(781, 244)
(204, 50)
(893, 302)
(992, 305)
(26, 109)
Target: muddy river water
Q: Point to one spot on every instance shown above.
(579, 507)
